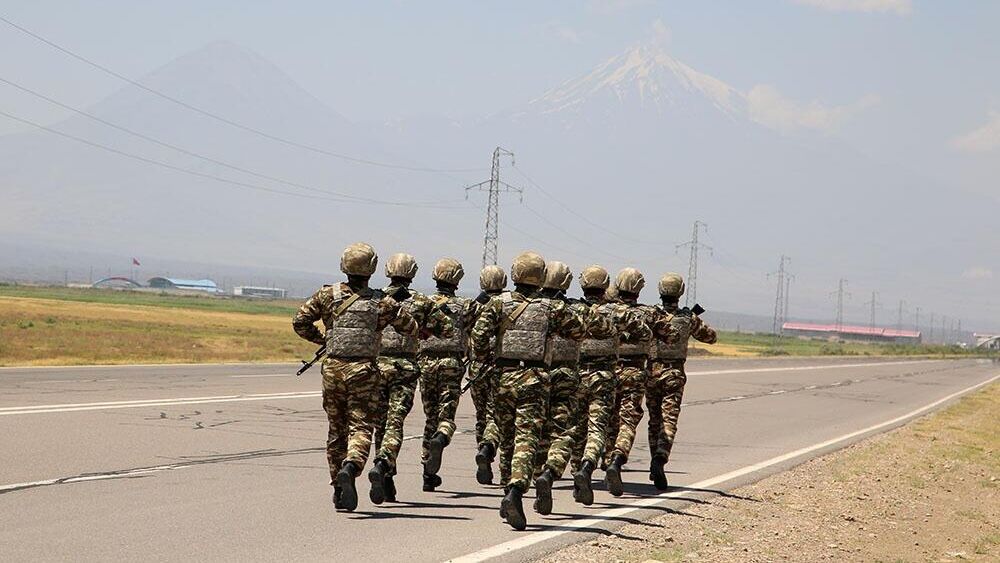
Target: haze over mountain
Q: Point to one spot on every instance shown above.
(636, 150)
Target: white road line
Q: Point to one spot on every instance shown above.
(94, 477)
(808, 368)
(40, 409)
(537, 537)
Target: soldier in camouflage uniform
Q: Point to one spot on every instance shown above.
(631, 371)
(665, 386)
(562, 408)
(400, 372)
(521, 323)
(598, 354)
(492, 281)
(354, 316)
(442, 365)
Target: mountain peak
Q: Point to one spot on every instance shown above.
(647, 76)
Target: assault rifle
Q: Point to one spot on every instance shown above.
(306, 365)
(487, 369)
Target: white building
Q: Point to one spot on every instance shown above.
(266, 292)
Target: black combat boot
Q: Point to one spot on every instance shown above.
(543, 492)
(513, 510)
(503, 505)
(337, 493)
(435, 446)
(389, 488)
(613, 476)
(656, 473)
(484, 462)
(345, 480)
(379, 473)
(583, 491)
(431, 482)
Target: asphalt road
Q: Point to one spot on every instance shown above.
(225, 462)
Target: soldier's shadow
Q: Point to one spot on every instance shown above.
(387, 515)
(441, 505)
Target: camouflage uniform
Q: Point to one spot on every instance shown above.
(442, 365)
(631, 372)
(351, 378)
(519, 394)
(482, 392)
(665, 387)
(400, 370)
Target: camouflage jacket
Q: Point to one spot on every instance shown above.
(323, 304)
(430, 319)
(466, 317)
(684, 325)
(563, 321)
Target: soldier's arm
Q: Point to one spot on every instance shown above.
(304, 321)
(471, 313)
(703, 333)
(568, 322)
(661, 326)
(636, 328)
(434, 321)
(486, 326)
(391, 314)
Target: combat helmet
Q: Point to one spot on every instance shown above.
(492, 278)
(528, 269)
(630, 280)
(448, 270)
(401, 265)
(671, 285)
(557, 276)
(359, 259)
(594, 277)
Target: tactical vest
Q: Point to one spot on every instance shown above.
(677, 347)
(639, 348)
(454, 307)
(593, 348)
(524, 337)
(353, 333)
(394, 343)
(565, 350)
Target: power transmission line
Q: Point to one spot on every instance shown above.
(930, 335)
(874, 303)
(214, 160)
(173, 167)
(692, 281)
(225, 120)
(841, 293)
(788, 287)
(899, 316)
(493, 186)
(916, 320)
(777, 323)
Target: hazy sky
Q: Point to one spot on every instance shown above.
(910, 83)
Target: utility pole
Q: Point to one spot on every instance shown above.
(840, 293)
(493, 186)
(899, 317)
(944, 333)
(916, 321)
(874, 303)
(958, 335)
(692, 281)
(788, 287)
(777, 322)
(930, 336)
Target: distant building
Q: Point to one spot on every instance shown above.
(267, 292)
(851, 332)
(988, 341)
(207, 286)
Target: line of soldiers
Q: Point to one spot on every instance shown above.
(556, 382)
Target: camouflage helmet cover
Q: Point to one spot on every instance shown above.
(630, 280)
(557, 275)
(492, 278)
(594, 277)
(401, 265)
(359, 259)
(528, 269)
(448, 270)
(671, 285)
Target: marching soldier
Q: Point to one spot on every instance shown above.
(400, 372)
(598, 354)
(353, 316)
(442, 365)
(665, 387)
(492, 281)
(521, 322)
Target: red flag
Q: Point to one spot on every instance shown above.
(135, 262)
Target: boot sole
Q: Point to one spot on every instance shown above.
(348, 495)
(614, 481)
(543, 497)
(583, 491)
(377, 494)
(484, 470)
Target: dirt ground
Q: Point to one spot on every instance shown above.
(929, 491)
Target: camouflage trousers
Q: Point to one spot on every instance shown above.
(399, 384)
(561, 418)
(627, 410)
(664, 392)
(350, 399)
(596, 398)
(518, 404)
(440, 389)
(482, 398)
